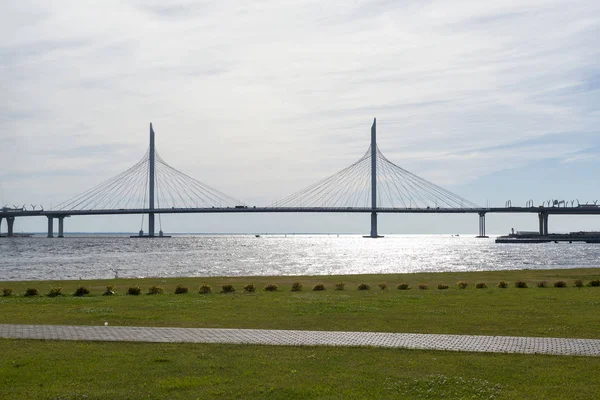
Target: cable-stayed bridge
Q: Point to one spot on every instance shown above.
(373, 184)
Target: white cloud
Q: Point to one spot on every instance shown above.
(262, 98)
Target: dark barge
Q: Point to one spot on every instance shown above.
(535, 237)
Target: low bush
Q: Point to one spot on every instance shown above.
(542, 284)
(502, 285)
(54, 292)
(442, 286)
(423, 286)
(156, 290)
(81, 291)
(134, 291)
(180, 289)
(462, 284)
(271, 287)
(560, 284)
(227, 288)
(595, 282)
(31, 292)
(382, 286)
(403, 286)
(110, 290)
(364, 286)
(296, 287)
(250, 288)
(578, 283)
(481, 285)
(6, 292)
(205, 289)
(319, 287)
(521, 284)
(340, 286)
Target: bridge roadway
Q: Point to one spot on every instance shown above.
(251, 209)
(543, 212)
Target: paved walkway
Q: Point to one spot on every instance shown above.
(489, 344)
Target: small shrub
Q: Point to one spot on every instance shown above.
(442, 286)
(595, 282)
(319, 287)
(542, 284)
(340, 286)
(382, 286)
(31, 292)
(227, 288)
(521, 284)
(55, 291)
(6, 292)
(180, 289)
(250, 288)
(205, 289)
(578, 283)
(81, 291)
(481, 285)
(271, 287)
(502, 285)
(110, 290)
(560, 284)
(134, 291)
(364, 286)
(423, 286)
(403, 286)
(296, 287)
(462, 284)
(156, 290)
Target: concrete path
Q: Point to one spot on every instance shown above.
(489, 344)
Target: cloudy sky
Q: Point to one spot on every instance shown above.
(493, 100)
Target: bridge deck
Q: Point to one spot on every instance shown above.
(252, 209)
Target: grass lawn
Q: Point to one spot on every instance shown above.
(90, 370)
(533, 311)
(87, 370)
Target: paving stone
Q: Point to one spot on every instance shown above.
(471, 343)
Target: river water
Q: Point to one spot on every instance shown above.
(96, 256)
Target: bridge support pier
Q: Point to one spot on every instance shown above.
(482, 226)
(1, 218)
(50, 226)
(11, 222)
(151, 225)
(61, 227)
(374, 225)
(543, 223)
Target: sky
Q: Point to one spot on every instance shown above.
(494, 101)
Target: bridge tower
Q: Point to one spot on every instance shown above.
(374, 181)
(151, 186)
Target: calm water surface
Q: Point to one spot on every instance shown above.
(93, 257)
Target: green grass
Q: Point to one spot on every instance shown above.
(550, 312)
(87, 370)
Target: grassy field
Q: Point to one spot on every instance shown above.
(533, 311)
(85, 370)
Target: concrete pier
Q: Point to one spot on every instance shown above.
(11, 223)
(543, 223)
(50, 226)
(61, 227)
(482, 226)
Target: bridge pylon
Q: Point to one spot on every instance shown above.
(151, 184)
(373, 233)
